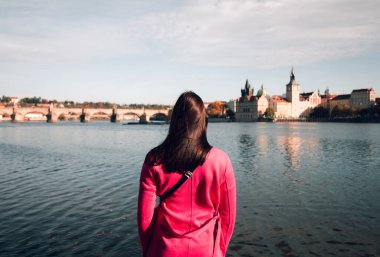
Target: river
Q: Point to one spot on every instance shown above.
(304, 189)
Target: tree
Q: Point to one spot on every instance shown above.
(5, 99)
(344, 111)
(230, 113)
(319, 112)
(216, 109)
(269, 112)
(31, 100)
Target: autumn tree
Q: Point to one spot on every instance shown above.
(216, 109)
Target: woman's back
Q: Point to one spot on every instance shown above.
(198, 219)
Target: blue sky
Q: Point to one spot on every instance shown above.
(151, 51)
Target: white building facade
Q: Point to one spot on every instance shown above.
(294, 105)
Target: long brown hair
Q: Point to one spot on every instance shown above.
(186, 145)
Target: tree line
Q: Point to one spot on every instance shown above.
(344, 111)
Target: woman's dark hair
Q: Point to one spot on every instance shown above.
(186, 145)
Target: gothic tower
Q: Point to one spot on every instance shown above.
(292, 89)
(247, 91)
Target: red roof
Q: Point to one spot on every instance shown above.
(330, 96)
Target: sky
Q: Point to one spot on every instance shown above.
(140, 51)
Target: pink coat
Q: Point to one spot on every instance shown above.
(198, 219)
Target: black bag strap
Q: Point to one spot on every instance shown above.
(179, 183)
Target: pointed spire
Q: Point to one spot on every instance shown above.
(292, 76)
(247, 85)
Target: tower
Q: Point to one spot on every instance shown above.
(247, 91)
(292, 89)
(327, 91)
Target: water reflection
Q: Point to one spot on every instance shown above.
(262, 141)
(292, 145)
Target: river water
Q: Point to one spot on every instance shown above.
(304, 189)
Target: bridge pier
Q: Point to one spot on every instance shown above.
(143, 119)
(15, 117)
(114, 116)
(52, 117)
(84, 117)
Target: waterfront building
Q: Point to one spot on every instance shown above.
(244, 105)
(340, 100)
(293, 105)
(232, 105)
(250, 107)
(362, 98)
(326, 99)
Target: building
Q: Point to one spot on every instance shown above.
(244, 105)
(294, 105)
(362, 98)
(340, 100)
(232, 105)
(326, 99)
(250, 107)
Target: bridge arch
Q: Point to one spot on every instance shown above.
(100, 115)
(34, 116)
(159, 116)
(130, 113)
(130, 117)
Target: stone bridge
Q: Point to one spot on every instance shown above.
(53, 114)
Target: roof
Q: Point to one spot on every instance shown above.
(330, 96)
(305, 96)
(362, 90)
(279, 99)
(249, 98)
(342, 97)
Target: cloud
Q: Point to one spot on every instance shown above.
(238, 33)
(267, 33)
(68, 45)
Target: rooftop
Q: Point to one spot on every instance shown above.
(279, 99)
(342, 97)
(362, 90)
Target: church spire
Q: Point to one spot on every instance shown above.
(292, 76)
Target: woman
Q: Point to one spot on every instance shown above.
(198, 218)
